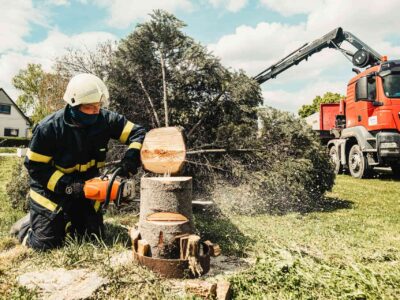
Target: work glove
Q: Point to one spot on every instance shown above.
(75, 189)
(130, 163)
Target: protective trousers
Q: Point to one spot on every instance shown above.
(47, 230)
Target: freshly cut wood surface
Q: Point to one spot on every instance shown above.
(166, 216)
(164, 150)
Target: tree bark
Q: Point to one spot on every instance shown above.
(165, 100)
(165, 213)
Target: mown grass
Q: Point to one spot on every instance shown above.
(8, 150)
(347, 248)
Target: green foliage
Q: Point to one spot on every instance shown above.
(41, 91)
(291, 173)
(18, 186)
(328, 97)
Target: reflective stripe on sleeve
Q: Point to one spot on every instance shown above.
(135, 145)
(51, 185)
(126, 131)
(50, 205)
(37, 157)
(101, 164)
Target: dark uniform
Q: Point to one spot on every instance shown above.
(61, 153)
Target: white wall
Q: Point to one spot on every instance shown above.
(14, 121)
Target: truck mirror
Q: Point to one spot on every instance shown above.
(362, 89)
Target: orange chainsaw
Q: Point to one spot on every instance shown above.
(108, 188)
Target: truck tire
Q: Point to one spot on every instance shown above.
(358, 164)
(335, 159)
(395, 170)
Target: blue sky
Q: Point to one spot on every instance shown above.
(245, 34)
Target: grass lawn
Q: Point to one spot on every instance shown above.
(347, 249)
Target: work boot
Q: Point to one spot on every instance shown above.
(21, 225)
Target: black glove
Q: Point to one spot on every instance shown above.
(130, 163)
(75, 189)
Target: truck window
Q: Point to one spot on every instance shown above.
(391, 85)
(371, 88)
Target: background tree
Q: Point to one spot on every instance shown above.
(41, 91)
(309, 109)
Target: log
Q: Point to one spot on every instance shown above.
(165, 213)
(143, 247)
(224, 291)
(163, 150)
(201, 288)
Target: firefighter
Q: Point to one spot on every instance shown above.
(67, 148)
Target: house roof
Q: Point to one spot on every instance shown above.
(16, 106)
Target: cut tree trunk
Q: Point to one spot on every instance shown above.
(165, 214)
(163, 150)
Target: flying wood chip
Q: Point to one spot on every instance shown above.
(163, 150)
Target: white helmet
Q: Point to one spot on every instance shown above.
(84, 89)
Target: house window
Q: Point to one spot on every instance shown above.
(11, 132)
(5, 109)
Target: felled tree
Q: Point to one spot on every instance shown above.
(159, 76)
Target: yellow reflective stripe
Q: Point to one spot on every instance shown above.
(97, 205)
(50, 205)
(66, 170)
(51, 185)
(126, 131)
(101, 164)
(78, 167)
(37, 157)
(135, 145)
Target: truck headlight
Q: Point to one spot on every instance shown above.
(389, 145)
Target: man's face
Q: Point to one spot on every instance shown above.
(90, 109)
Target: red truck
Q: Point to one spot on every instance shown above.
(363, 130)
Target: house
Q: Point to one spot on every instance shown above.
(13, 122)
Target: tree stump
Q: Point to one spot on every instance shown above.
(165, 214)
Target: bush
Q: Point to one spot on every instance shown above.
(292, 173)
(18, 186)
(14, 142)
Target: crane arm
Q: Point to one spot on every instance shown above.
(364, 56)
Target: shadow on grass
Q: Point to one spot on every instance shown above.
(116, 234)
(328, 204)
(222, 231)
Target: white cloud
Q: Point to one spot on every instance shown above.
(44, 53)
(292, 101)
(231, 5)
(255, 48)
(15, 20)
(124, 12)
(58, 2)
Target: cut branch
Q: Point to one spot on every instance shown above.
(204, 151)
(150, 101)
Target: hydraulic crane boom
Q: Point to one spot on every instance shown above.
(363, 57)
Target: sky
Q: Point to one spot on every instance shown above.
(245, 34)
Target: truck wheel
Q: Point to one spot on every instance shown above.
(396, 170)
(335, 159)
(358, 165)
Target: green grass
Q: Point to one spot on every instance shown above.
(348, 248)
(8, 150)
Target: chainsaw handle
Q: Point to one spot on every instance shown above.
(109, 187)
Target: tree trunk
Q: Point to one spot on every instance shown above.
(165, 214)
(165, 100)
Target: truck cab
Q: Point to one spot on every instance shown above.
(371, 132)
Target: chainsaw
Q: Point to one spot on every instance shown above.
(110, 188)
